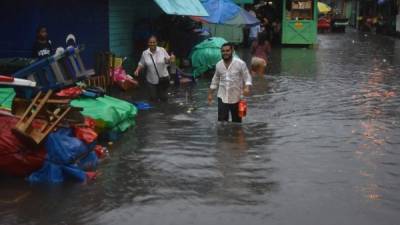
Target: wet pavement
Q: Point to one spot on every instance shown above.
(320, 145)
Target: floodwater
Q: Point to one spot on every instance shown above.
(320, 145)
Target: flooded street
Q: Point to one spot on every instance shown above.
(320, 145)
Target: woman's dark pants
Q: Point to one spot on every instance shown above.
(158, 92)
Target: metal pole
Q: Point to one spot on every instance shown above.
(357, 13)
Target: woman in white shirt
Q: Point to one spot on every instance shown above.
(156, 60)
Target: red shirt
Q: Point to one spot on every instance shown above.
(261, 51)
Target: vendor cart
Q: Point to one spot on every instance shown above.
(299, 22)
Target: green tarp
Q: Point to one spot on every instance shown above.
(109, 113)
(206, 54)
(182, 7)
(6, 98)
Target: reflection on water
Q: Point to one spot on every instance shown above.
(298, 62)
(319, 145)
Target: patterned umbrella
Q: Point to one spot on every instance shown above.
(323, 8)
(243, 18)
(226, 12)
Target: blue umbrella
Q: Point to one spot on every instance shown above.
(219, 11)
(226, 12)
(243, 18)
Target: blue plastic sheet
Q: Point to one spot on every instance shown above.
(142, 105)
(89, 162)
(66, 157)
(55, 173)
(63, 148)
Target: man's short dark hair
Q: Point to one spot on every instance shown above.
(39, 28)
(227, 44)
(152, 36)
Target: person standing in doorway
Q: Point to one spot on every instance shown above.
(42, 47)
(231, 74)
(253, 34)
(254, 30)
(156, 60)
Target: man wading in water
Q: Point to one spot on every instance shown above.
(230, 74)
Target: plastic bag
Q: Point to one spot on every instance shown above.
(63, 148)
(122, 79)
(64, 159)
(86, 134)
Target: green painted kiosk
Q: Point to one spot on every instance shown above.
(299, 22)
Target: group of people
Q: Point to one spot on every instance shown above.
(262, 36)
(231, 78)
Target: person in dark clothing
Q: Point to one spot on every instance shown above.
(42, 47)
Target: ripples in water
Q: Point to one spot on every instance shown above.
(321, 139)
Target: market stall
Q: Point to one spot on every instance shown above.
(299, 22)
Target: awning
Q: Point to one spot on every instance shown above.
(182, 7)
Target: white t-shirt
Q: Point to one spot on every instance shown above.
(159, 57)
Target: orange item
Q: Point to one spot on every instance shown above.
(86, 134)
(91, 175)
(242, 108)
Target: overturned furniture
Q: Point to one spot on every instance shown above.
(105, 64)
(54, 72)
(42, 116)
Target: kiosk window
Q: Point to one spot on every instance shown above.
(300, 9)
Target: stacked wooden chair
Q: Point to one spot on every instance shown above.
(105, 64)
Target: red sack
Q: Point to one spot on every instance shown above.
(17, 158)
(86, 134)
(71, 92)
(89, 122)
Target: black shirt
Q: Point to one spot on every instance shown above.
(42, 50)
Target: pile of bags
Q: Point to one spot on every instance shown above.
(66, 153)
